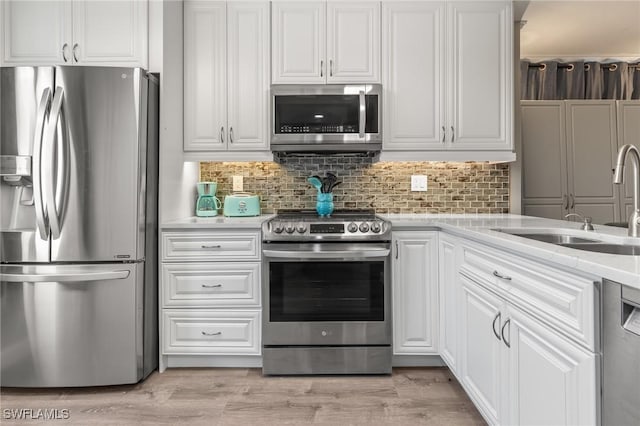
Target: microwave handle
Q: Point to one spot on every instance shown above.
(363, 115)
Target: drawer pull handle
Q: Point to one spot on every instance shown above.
(217, 333)
(504, 339)
(212, 247)
(504, 277)
(494, 325)
(212, 286)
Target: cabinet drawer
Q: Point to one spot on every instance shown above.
(211, 284)
(182, 246)
(564, 301)
(217, 332)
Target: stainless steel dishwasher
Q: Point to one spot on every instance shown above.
(621, 355)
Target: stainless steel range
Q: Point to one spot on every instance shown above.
(326, 293)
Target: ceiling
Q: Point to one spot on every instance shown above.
(580, 29)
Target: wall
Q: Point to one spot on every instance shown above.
(384, 186)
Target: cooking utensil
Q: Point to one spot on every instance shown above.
(315, 182)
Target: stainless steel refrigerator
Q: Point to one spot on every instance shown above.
(78, 226)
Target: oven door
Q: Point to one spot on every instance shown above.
(337, 117)
(326, 294)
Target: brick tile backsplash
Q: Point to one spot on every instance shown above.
(383, 186)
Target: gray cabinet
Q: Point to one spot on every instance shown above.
(569, 150)
(628, 117)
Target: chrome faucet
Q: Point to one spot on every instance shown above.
(618, 178)
(586, 221)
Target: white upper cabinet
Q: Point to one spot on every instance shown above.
(447, 73)
(110, 32)
(298, 42)
(353, 42)
(226, 76)
(325, 42)
(413, 75)
(481, 69)
(36, 32)
(83, 32)
(205, 75)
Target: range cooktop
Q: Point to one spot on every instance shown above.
(348, 225)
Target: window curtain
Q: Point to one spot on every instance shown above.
(552, 80)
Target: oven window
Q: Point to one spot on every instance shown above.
(326, 291)
(324, 114)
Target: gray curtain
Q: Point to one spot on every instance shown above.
(571, 82)
(551, 80)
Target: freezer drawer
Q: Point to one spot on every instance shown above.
(71, 325)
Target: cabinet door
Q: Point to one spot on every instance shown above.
(413, 75)
(36, 32)
(415, 299)
(205, 76)
(544, 159)
(450, 297)
(628, 114)
(298, 42)
(480, 64)
(591, 155)
(353, 42)
(482, 349)
(248, 75)
(107, 32)
(551, 380)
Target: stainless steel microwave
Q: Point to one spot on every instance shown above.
(326, 118)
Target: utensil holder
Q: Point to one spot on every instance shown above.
(324, 204)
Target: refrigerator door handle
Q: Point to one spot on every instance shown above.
(74, 276)
(55, 189)
(40, 205)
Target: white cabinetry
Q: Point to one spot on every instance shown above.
(210, 298)
(325, 42)
(528, 340)
(226, 70)
(449, 291)
(83, 32)
(569, 151)
(415, 297)
(447, 73)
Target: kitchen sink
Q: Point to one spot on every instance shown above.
(624, 249)
(577, 242)
(554, 238)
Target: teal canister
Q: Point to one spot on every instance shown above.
(324, 204)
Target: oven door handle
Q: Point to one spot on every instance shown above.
(346, 254)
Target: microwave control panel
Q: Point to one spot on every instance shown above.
(318, 128)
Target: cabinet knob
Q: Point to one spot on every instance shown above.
(75, 49)
(321, 67)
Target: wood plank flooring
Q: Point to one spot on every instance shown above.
(215, 396)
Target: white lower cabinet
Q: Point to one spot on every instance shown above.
(481, 349)
(552, 381)
(414, 290)
(449, 297)
(517, 369)
(210, 298)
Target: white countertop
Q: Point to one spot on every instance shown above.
(621, 268)
(481, 228)
(251, 222)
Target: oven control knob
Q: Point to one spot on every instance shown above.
(375, 227)
(352, 227)
(364, 227)
(301, 228)
(289, 228)
(278, 228)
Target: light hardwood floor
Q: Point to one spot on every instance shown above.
(210, 396)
